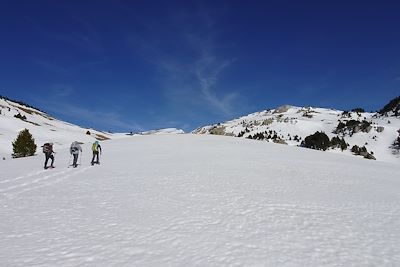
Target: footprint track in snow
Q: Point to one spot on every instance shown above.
(40, 182)
(22, 177)
(33, 180)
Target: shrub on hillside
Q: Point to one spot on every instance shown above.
(318, 140)
(396, 145)
(296, 138)
(362, 151)
(353, 126)
(346, 114)
(19, 116)
(337, 142)
(24, 145)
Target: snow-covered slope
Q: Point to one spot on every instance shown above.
(163, 131)
(196, 200)
(15, 117)
(43, 128)
(290, 125)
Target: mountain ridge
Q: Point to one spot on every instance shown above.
(290, 125)
(375, 133)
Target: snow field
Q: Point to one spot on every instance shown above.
(194, 200)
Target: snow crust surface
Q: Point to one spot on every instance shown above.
(200, 200)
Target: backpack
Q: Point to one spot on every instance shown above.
(47, 148)
(73, 149)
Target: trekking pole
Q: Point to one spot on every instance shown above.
(69, 161)
(80, 159)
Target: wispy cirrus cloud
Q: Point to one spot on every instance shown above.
(202, 77)
(190, 67)
(207, 70)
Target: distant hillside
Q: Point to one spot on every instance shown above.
(21, 103)
(163, 131)
(371, 135)
(16, 116)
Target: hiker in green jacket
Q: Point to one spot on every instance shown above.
(96, 148)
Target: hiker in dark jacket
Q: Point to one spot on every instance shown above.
(48, 153)
(74, 150)
(96, 148)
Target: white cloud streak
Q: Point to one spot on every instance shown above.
(192, 73)
(207, 70)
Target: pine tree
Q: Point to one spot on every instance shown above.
(24, 145)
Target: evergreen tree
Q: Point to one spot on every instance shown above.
(24, 145)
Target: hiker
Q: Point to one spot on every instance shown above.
(74, 150)
(96, 148)
(48, 153)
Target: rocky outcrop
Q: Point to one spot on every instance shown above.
(352, 127)
(282, 109)
(392, 108)
(218, 130)
(362, 151)
(268, 121)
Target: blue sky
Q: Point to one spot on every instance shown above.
(138, 65)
